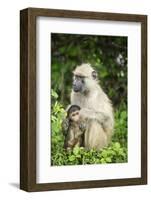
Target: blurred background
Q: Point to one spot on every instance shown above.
(107, 54)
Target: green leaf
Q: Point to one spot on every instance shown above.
(54, 94)
(117, 145)
(109, 160)
(72, 158)
(103, 160)
(76, 150)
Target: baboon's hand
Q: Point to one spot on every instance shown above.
(82, 126)
(65, 125)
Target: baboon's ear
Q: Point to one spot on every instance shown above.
(94, 75)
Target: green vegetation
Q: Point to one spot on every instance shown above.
(108, 55)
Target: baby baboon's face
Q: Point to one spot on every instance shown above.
(74, 116)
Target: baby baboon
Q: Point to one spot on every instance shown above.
(95, 106)
(75, 129)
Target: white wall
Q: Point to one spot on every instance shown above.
(9, 101)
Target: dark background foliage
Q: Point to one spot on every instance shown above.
(108, 55)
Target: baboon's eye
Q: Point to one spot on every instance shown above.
(79, 77)
(82, 80)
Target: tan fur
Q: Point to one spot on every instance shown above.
(96, 108)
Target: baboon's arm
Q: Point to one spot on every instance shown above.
(65, 125)
(101, 117)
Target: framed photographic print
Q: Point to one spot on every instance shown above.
(83, 99)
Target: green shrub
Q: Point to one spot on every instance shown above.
(116, 152)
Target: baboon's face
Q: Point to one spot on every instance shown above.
(74, 116)
(83, 83)
(78, 84)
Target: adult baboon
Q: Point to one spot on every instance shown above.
(95, 107)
